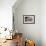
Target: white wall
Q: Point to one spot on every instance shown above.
(43, 22)
(6, 13)
(28, 7)
(35, 31)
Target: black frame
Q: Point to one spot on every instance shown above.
(29, 15)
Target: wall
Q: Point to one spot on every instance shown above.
(28, 7)
(6, 13)
(43, 22)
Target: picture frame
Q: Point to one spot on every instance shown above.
(28, 19)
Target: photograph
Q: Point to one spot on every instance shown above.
(28, 19)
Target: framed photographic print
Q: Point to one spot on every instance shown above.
(28, 19)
